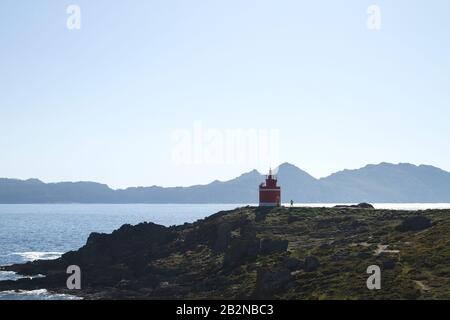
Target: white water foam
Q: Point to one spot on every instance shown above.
(12, 276)
(38, 255)
(35, 295)
(28, 256)
(9, 276)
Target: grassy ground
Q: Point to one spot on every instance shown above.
(217, 257)
(414, 265)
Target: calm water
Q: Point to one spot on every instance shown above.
(45, 231)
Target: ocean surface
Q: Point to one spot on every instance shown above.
(45, 231)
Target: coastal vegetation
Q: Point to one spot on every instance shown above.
(249, 252)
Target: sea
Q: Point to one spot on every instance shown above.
(45, 231)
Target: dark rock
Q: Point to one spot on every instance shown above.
(148, 239)
(416, 223)
(95, 237)
(261, 213)
(360, 206)
(124, 284)
(293, 264)
(239, 252)
(271, 281)
(365, 206)
(364, 255)
(270, 246)
(311, 264)
(214, 234)
(223, 237)
(388, 265)
(293, 218)
(247, 231)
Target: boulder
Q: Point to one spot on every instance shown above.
(270, 246)
(247, 231)
(123, 284)
(222, 239)
(239, 252)
(270, 281)
(362, 205)
(388, 265)
(311, 264)
(293, 264)
(364, 255)
(294, 218)
(215, 234)
(416, 223)
(365, 205)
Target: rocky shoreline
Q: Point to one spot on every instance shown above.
(258, 253)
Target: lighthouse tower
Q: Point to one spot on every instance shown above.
(269, 192)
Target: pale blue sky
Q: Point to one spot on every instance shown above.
(102, 103)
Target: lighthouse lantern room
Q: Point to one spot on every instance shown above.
(269, 192)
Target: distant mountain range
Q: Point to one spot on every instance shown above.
(384, 182)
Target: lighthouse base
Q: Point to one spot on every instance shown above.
(269, 204)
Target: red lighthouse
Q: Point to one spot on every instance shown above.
(269, 192)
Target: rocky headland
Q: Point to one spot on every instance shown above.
(261, 253)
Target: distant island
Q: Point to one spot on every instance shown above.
(385, 182)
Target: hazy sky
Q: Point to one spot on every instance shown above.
(107, 102)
